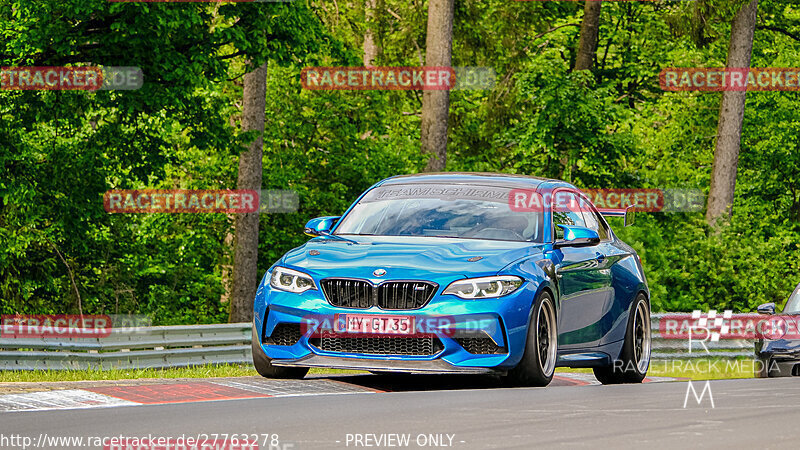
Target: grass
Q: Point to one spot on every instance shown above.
(698, 369)
(704, 368)
(43, 376)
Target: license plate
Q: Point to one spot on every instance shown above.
(374, 324)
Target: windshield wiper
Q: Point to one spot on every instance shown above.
(336, 236)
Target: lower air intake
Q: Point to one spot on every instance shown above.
(480, 346)
(284, 334)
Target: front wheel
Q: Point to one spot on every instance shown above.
(632, 365)
(541, 347)
(264, 366)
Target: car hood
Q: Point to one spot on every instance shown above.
(406, 257)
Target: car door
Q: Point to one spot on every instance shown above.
(610, 309)
(583, 276)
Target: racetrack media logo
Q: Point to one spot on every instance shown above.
(702, 322)
(699, 398)
(701, 329)
(70, 78)
(714, 334)
(708, 329)
(397, 78)
(730, 79)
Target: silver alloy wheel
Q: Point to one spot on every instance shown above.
(641, 338)
(547, 337)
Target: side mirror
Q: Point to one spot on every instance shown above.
(320, 226)
(575, 236)
(630, 215)
(767, 308)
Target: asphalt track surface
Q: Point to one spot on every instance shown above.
(477, 412)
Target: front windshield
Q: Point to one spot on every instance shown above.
(437, 210)
(793, 305)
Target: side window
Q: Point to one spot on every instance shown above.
(593, 220)
(566, 211)
(602, 228)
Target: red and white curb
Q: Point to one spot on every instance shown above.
(167, 393)
(62, 399)
(211, 390)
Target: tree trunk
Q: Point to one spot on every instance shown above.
(227, 269)
(245, 260)
(731, 115)
(436, 104)
(370, 47)
(590, 30)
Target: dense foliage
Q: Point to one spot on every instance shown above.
(614, 127)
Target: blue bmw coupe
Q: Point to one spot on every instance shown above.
(458, 273)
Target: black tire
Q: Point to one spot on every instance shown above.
(634, 360)
(538, 362)
(265, 368)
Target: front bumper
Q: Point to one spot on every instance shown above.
(781, 364)
(380, 365)
(503, 320)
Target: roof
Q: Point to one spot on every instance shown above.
(472, 178)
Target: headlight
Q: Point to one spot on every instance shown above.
(486, 287)
(291, 280)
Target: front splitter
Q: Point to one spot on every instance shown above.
(381, 365)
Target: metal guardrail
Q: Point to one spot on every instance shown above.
(142, 348)
(191, 345)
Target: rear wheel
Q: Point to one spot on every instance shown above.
(264, 367)
(541, 348)
(632, 365)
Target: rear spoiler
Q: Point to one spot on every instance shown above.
(629, 214)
